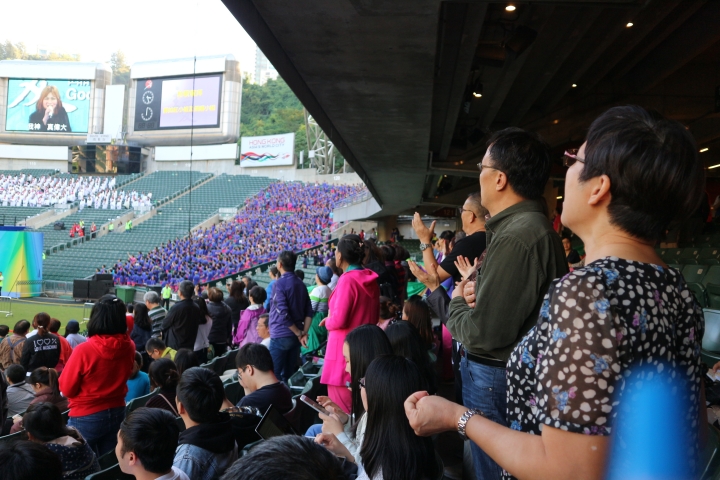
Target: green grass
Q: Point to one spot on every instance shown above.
(26, 310)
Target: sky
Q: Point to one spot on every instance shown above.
(143, 29)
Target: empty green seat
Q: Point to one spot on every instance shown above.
(688, 254)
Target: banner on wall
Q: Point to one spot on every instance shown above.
(21, 268)
(267, 151)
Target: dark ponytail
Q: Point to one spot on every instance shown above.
(352, 249)
(46, 376)
(42, 321)
(163, 373)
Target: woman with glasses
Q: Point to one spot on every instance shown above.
(635, 173)
(95, 377)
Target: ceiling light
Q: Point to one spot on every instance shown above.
(556, 121)
(574, 85)
(703, 150)
(629, 24)
(560, 197)
(714, 166)
(477, 89)
(510, 8)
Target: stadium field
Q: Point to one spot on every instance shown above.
(25, 309)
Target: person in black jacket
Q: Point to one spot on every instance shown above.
(180, 326)
(221, 330)
(49, 114)
(43, 348)
(237, 301)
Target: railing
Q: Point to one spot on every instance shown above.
(357, 198)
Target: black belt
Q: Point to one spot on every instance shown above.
(490, 362)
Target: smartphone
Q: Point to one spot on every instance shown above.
(313, 404)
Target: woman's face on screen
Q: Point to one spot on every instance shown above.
(50, 101)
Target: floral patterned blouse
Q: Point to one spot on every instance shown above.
(595, 324)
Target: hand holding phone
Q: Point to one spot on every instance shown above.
(314, 405)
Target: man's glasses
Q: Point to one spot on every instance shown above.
(481, 166)
(571, 156)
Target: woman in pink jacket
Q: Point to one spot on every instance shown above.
(354, 302)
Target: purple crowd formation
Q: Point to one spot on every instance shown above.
(283, 216)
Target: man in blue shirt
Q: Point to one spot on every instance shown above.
(290, 317)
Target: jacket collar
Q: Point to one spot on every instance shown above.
(498, 219)
(216, 437)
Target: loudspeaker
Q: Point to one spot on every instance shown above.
(155, 288)
(97, 290)
(80, 289)
(103, 277)
(59, 225)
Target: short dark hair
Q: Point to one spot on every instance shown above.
(655, 174)
(287, 259)
(185, 359)
(201, 392)
(44, 421)
(25, 460)
(215, 295)
(107, 317)
(186, 289)
(139, 358)
(54, 325)
(258, 294)
(4, 330)
(152, 434)
(15, 373)
(300, 274)
(256, 355)
(21, 327)
(130, 307)
(278, 456)
(163, 373)
(154, 343)
(524, 158)
(351, 249)
(274, 271)
(265, 318)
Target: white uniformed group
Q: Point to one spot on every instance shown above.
(95, 192)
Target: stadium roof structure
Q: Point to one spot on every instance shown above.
(396, 84)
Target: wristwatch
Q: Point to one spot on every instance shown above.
(462, 423)
(425, 246)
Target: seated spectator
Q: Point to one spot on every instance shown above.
(417, 312)
(221, 331)
(155, 311)
(4, 330)
(19, 393)
(142, 330)
(388, 312)
(202, 340)
(573, 257)
(44, 382)
(263, 330)
(390, 448)
(156, 349)
(406, 342)
(146, 445)
(72, 333)
(278, 458)
(163, 375)
(65, 347)
(26, 460)
(317, 334)
(43, 348)
(185, 359)
(247, 327)
(207, 446)
(257, 377)
(301, 275)
(11, 347)
(138, 384)
(44, 424)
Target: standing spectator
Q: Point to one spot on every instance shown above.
(44, 382)
(221, 331)
(12, 346)
(72, 334)
(65, 347)
(524, 255)
(247, 328)
(290, 316)
(263, 330)
(19, 393)
(146, 445)
(417, 313)
(207, 446)
(155, 311)
(43, 349)
(262, 388)
(317, 334)
(249, 283)
(237, 301)
(201, 348)
(2, 279)
(336, 273)
(44, 424)
(138, 384)
(142, 330)
(129, 318)
(180, 326)
(572, 256)
(354, 302)
(95, 378)
(274, 275)
(164, 375)
(166, 296)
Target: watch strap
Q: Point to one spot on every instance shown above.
(425, 246)
(465, 418)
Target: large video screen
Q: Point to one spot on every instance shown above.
(183, 102)
(43, 106)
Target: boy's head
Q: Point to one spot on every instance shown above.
(15, 374)
(253, 361)
(200, 395)
(155, 348)
(147, 440)
(4, 330)
(258, 295)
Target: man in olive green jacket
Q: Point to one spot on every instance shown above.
(524, 254)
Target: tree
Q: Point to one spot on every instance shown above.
(120, 69)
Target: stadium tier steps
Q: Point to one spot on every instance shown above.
(17, 215)
(171, 222)
(166, 186)
(120, 180)
(35, 172)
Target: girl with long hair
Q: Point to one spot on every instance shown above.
(407, 342)
(164, 375)
(44, 382)
(41, 349)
